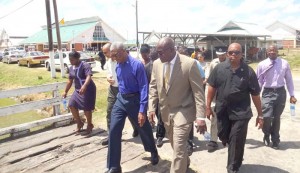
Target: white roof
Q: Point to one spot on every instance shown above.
(241, 28)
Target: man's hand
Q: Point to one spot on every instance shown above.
(293, 100)
(141, 119)
(64, 95)
(201, 126)
(110, 80)
(259, 122)
(151, 117)
(208, 112)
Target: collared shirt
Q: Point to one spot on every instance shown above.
(277, 76)
(111, 71)
(172, 62)
(234, 89)
(211, 66)
(132, 79)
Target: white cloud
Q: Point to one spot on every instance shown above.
(192, 16)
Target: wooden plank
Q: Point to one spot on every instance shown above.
(34, 89)
(23, 107)
(50, 120)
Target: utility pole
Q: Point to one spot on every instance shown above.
(50, 39)
(62, 66)
(137, 28)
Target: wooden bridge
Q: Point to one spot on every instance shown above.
(60, 150)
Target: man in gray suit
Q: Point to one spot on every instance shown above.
(177, 84)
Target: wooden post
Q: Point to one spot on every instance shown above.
(62, 66)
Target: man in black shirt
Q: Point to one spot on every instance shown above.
(233, 82)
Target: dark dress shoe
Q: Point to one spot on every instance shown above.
(190, 147)
(159, 142)
(135, 133)
(154, 158)
(104, 142)
(275, 145)
(114, 170)
(212, 146)
(266, 140)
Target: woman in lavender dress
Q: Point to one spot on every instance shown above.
(84, 96)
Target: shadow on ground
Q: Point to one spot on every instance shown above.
(250, 168)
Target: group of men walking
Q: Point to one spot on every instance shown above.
(171, 88)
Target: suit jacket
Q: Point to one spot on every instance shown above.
(184, 100)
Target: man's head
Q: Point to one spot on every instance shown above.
(145, 51)
(166, 49)
(153, 54)
(234, 53)
(221, 53)
(106, 50)
(118, 52)
(272, 52)
(183, 50)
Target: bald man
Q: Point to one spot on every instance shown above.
(177, 84)
(234, 82)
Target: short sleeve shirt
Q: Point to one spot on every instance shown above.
(234, 89)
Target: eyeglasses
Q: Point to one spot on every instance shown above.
(234, 52)
(113, 54)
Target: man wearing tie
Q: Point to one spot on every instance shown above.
(177, 84)
(273, 73)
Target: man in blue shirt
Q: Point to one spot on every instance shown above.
(131, 101)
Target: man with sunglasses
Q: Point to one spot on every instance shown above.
(177, 84)
(233, 82)
(131, 102)
(273, 73)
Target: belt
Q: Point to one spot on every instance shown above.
(130, 94)
(274, 89)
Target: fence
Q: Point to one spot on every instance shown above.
(57, 120)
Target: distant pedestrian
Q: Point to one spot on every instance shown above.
(102, 59)
(84, 96)
(273, 74)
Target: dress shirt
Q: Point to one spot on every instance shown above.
(200, 69)
(277, 76)
(111, 71)
(132, 78)
(172, 62)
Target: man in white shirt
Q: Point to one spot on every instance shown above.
(113, 89)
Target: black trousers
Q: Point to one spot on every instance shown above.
(273, 103)
(233, 132)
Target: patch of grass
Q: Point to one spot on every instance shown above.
(12, 76)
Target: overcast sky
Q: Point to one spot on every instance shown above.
(192, 16)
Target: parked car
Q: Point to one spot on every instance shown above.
(83, 57)
(12, 56)
(33, 58)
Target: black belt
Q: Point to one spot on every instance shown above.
(274, 89)
(130, 94)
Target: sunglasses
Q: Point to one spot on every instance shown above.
(234, 52)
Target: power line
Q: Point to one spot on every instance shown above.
(16, 10)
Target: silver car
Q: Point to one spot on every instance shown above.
(12, 56)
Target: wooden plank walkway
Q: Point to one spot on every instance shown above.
(60, 150)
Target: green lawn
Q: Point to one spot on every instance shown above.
(12, 76)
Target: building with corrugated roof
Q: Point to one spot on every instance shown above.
(80, 34)
(284, 36)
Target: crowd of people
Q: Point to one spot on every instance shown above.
(179, 92)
